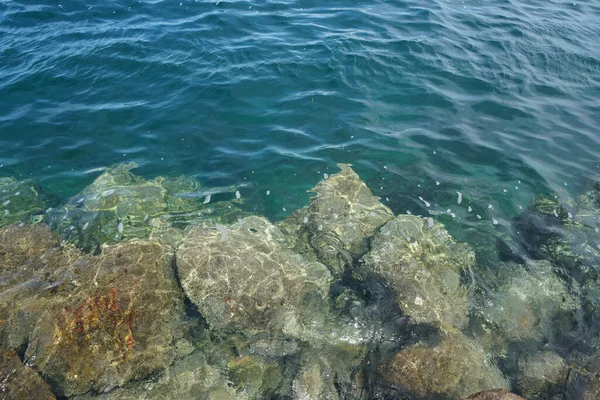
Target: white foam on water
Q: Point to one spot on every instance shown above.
(237, 194)
(459, 200)
(555, 213)
(120, 227)
(427, 204)
(494, 221)
(7, 202)
(469, 209)
(85, 226)
(206, 199)
(478, 216)
(430, 222)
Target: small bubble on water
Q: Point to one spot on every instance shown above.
(570, 215)
(478, 216)
(6, 212)
(437, 183)
(418, 184)
(516, 188)
(385, 166)
(459, 200)
(430, 222)
(325, 176)
(490, 207)
(504, 190)
(7, 202)
(237, 194)
(520, 207)
(519, 181)
(268, 192)
(469, 209)
(85, 226)
(387, 199)
(434, 152)
(305, 220)
(320, 228)
(335, 216)
(206, 199)
(565, 183)
(494, 221)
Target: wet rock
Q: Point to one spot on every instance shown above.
(339, 220)
(496, 394)
(19, 381)
(20, 201)
(542, 376)
(120, 321)
(530, 303)
(33, 267)
(119, 205)
(254, 376)
(241, 277)
(422, 263)
(456, 368)
(189, 378)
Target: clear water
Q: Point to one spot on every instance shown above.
(499, 101)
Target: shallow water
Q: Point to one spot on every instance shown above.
(461, 111)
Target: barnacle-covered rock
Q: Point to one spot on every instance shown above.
(19, 381)
(119, 205)
(454, 369)
(422, 263)
(242, 278)
(20, 201)
(120, 321)
(339, 220)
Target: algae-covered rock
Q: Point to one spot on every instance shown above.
(456, 368)
(542, 376)
(20, 201)
(242, 278)
(19, 381)
(119, 322)
(33, 268)
(495, 394)
(530, 303)
(339, 220)
(188, 378)
(422, 263)
(119, 205)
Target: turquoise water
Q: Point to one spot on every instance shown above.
(431, 101)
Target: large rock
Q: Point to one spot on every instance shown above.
(19, 381)
(33, 269)
(454, 369)
(119, 205)
(120, 323)
(339, 220)
(542, 376)
(188, 378)
(422, 263)
(495, 394)
(20, 201)
(242, 278)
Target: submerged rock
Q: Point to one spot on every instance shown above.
(119, 205)
(531, 303)
(339, 220)
(19, 381)
(496, 394)
(242, 278)
(422, 263)
(20, 201)
(456, 368)
(188, 378)
(542, 376)
(120, 322)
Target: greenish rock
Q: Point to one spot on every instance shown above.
(454, 369)
(254, 377)
(20, 201)
(119, 205)
(495, 394)
(19, 381)
(339, 221)
(421, 263)
(33, 269)
(188, 378)
(242, 278)
(542, 376)
(530, 303)
(118, 318)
